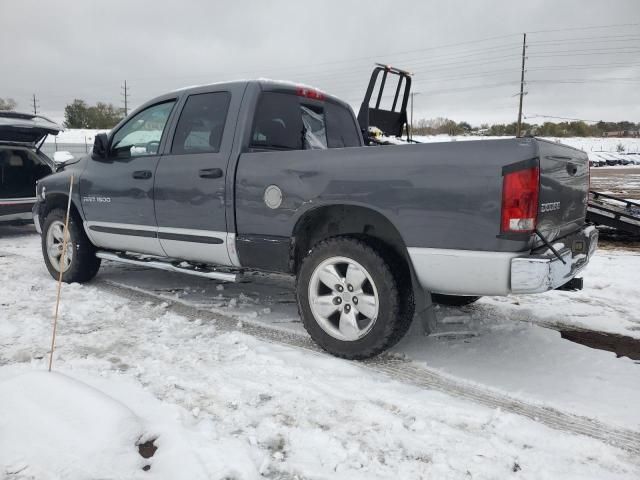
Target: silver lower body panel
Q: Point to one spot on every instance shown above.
(161, 264)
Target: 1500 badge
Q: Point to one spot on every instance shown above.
(549, 207)
(92, 199)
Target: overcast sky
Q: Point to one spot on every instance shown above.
(465, 54)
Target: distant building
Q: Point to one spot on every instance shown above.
(622, 133)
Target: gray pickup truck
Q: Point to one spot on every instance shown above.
(274, 176)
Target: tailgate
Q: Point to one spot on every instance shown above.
(564, 189)
(25, 128)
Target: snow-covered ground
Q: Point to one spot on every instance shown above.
(224, 404)
(75, 135)
(598, 149)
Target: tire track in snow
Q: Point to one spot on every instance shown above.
(402, 370)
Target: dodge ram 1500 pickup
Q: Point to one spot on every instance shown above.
(274, 176)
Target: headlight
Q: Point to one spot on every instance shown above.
(40, 192)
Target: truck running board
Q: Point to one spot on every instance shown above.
(182, 267)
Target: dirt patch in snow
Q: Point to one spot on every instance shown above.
(147, 449)
(621, 345)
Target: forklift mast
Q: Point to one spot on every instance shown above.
(391, 121)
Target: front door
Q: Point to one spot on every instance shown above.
(117, 192)
(189, 186)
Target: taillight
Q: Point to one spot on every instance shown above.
(520, 200)
(309, 93)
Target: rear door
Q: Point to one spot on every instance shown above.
(564, 188)
(117, 192)
(189, 190)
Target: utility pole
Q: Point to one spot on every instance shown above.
(125, 94)
(524, 48)
(411, 121)
(35, 105)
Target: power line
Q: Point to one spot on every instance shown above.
(626, 81)
(536, 115)
(571, 54)
(429, 63)
(591, 50)
(583, 40)
(588, 65)
(589, 37)
(592, 27)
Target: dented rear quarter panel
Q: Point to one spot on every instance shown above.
(564, 189)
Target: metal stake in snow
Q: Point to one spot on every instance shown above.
(65, 237)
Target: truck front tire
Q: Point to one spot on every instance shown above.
(81, 263)
(351, 301)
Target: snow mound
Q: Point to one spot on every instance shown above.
(53, 425)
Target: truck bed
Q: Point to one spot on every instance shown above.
(437, 195)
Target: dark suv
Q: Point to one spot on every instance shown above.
(22, 163)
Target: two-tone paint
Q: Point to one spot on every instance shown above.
(440, 201)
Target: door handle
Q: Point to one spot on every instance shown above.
(210, 173)
(142, 174)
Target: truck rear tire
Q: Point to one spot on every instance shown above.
(81, 263)
(453, 300)
(350, 300)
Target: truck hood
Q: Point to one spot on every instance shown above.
(25, 128)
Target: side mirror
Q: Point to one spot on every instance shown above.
(100, 145)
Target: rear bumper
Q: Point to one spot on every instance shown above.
(469, 272)
(545, 271)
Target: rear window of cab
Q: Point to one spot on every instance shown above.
(286, 121)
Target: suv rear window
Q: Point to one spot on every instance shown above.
(285, 121)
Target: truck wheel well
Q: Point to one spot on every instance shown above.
(57, 200)
(338, 220)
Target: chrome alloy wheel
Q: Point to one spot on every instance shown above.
(343, 298)
(55, 241)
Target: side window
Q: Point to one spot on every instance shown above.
(315, 132)
(278, 122)
(141, 135)
(201, 123)
(342, 130)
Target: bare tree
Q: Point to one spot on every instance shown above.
(7, 104)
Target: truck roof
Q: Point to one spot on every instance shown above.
(265, 84)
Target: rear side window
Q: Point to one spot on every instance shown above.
(278, 122)
(288, 122)
(201, 123)
(342, 130)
